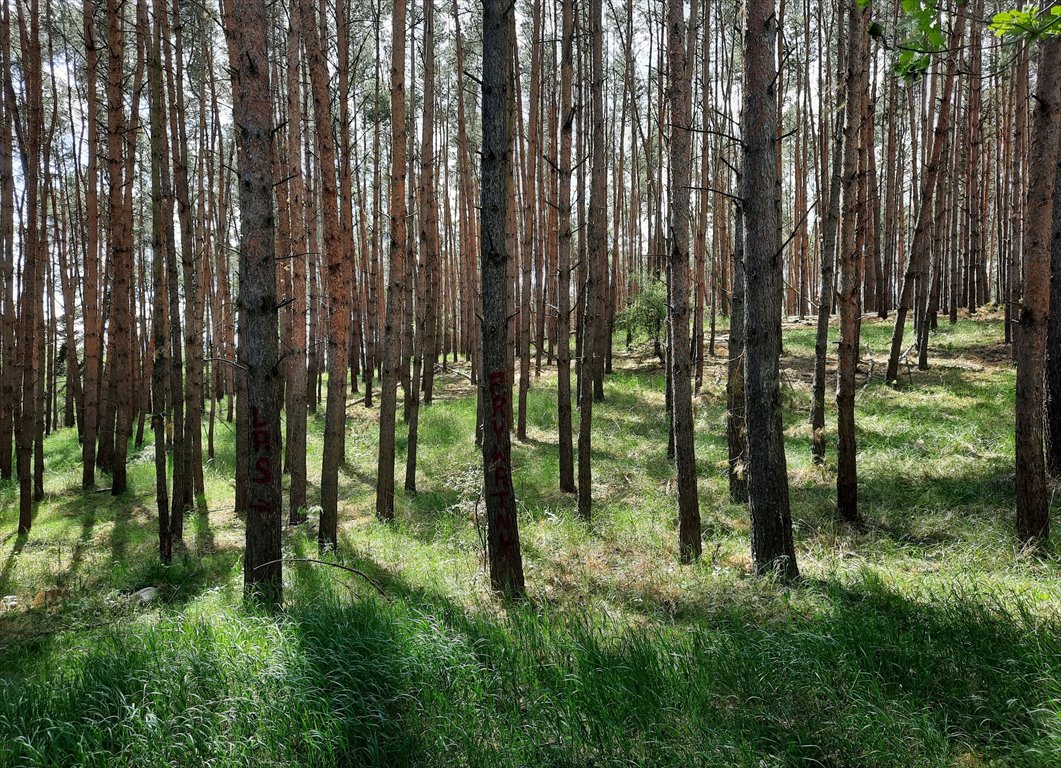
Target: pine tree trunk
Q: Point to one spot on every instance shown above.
(678, 211)
(9, 327)
(296, 352)
(736, 411)
(424, 345)
(851, 264)
(1030, 335)
(159, 232)
(1053, 344)
(121, 250)
(259, 453)
(827, 285)
(396, 287)
(768, 501)
(334, 252)
(563, 255)
(596, 268)
(506, 564)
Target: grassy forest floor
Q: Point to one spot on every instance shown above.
(926, 640)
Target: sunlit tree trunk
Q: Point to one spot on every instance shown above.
(396, 287)
(1033, 495)
(333, 256)
(678, 212)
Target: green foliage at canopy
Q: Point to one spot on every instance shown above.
(1029, 22)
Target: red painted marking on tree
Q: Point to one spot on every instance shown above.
(262, 443)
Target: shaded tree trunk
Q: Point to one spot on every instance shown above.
(259, 453)
(506, 564)
(851, 264)
(768, 500)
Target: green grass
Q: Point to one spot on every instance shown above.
(927, 640)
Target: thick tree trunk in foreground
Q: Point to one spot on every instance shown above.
(1053, 344)
(1033, 495)
(689, 544)
(506, 563)
(259, 455)
(768, 502)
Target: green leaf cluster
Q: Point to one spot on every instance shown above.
(1028, 22)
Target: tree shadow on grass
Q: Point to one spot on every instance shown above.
(12, 559)
(874, 678)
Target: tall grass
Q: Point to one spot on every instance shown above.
(928, 640)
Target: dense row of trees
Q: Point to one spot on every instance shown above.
(199, 228)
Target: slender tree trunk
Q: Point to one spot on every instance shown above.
(338, 305)
(563, 257)
(596, 268)
(736, 411)
(90, 293)
(159, 231)
(679, 208)
(917, 264)
(296, 385)
(827, 285)
(424, 347)
(396, 287)
(851, 265)
(11, 371)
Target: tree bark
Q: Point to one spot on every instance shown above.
(1053, 344)
(296, 385)
(259, 454)
(678, 212)
(338, 295)
(596, 268)
(1033, 495)
(827, 286)
(396, 287)
(919, 252)
(506, 563)
(563, 257)
(768, 500)
(851, 265)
